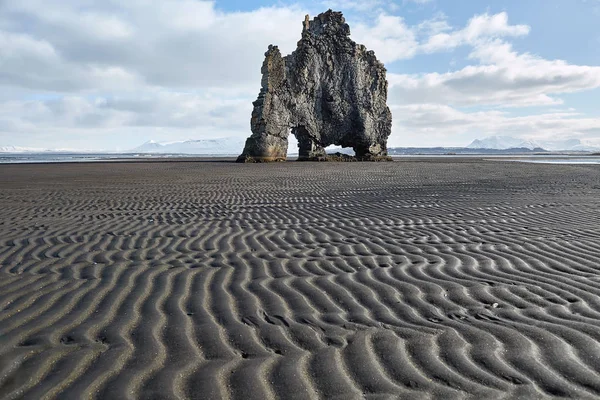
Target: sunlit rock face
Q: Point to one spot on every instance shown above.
(330, 90)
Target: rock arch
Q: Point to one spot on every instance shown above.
(330, 90)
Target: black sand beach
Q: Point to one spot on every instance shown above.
(426, 278)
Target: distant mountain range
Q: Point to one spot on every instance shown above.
(488, 145)
(403, 151)
(222, 146)
(16, 149)
(37, 150)
(231, 146)
(508, 142)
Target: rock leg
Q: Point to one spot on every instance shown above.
(264, 148)
(308, 148)
(371, 151)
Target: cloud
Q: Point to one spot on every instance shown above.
(433, 26)
(160, 109)
(480, 27)
(503, 77)
(78, 45)
(36, 64)
(389, 37)
(120, 72)
(126, 120)
(418, 1)
(424, 104)
(445, 125)
(392, 39)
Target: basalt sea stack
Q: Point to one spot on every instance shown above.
(330, 90)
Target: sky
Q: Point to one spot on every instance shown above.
(113, 74)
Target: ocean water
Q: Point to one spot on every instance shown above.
(539, 159)
(559, 160)
(22, 158)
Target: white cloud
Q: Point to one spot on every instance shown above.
(418, 1)
(392, 39)
(503, 77)
(389, 37)
(129, 121)
(72, 16)
(161, 109)
(128, 71)
(36, 64)
(443, 125)
(181, 43)
(433, 26)
(480, 27)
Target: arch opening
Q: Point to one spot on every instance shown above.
(308, 148)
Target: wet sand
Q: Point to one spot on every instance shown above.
(420, 278)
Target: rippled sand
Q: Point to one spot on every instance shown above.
(413, 279)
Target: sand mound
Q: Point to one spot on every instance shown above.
(299, 280)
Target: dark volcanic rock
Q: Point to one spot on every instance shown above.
(329, 91)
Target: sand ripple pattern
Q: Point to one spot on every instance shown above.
(412, 279)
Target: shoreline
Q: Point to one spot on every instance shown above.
(16, 158)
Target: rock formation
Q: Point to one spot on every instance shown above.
(330, 90)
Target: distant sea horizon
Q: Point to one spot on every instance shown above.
(48, 157)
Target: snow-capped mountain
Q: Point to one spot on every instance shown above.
(224, 146)
(37, 150)
(149, 147)
(568, 144)
(17, 149)
(509, 142)
(502, 143)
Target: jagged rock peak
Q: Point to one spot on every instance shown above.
(330, 22)
(330, 90)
